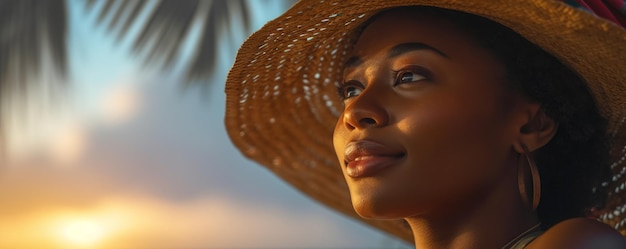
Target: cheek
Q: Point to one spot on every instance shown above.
(455, 145)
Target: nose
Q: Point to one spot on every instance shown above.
(365, 111)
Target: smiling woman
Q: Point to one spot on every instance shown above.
(474, 134)
(428, 106)
(452, 118)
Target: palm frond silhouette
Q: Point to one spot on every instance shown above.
(161, 39)
(34, 32)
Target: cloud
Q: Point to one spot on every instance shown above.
(69, 144)
(121, 102)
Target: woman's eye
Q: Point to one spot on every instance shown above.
(348, 90)
(408, 76)
(351, 91)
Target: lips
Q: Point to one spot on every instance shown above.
(365, 158)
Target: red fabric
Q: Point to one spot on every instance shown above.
(609, 9)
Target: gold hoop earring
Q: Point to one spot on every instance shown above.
(521, 179)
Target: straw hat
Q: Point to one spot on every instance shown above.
(282, 104)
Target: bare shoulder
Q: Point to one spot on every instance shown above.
(580, 233)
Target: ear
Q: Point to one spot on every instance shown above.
(537, 131)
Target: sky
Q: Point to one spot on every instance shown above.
(130, 159)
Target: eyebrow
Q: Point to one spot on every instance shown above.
(397, 51)
(412, 46)
(353, 62)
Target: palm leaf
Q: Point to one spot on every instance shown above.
(161, 39)
(28, 28)
(204, 62)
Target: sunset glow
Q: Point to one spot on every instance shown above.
(64, 228)
(83, 232)
(93, 228)
(152, 223)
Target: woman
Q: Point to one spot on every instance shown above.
(471, 134)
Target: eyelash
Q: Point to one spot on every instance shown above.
(425, 73)
(343, 86)
(412, 69)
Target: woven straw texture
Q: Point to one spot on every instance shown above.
(282, 103)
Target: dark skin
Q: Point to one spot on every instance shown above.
(438, 134)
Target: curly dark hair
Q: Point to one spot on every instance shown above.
(575, 162)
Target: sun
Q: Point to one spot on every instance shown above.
(82, 232)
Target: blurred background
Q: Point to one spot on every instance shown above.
(112, 136)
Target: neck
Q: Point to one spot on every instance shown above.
(489, 221)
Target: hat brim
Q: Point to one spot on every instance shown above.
(281, 102)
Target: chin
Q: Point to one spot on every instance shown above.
(374, 199)
(377, 209)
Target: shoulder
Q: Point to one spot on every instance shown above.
(580, 233)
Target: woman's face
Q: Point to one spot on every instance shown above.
(427, 122)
